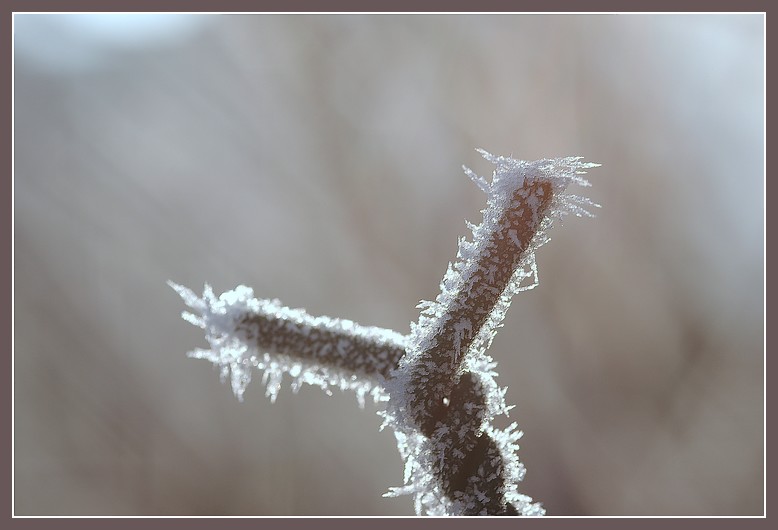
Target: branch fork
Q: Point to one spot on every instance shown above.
(437, 382)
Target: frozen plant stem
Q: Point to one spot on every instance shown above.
(438, 364)
(246, 333)
(437, 382)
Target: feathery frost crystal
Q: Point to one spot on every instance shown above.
(437, 383)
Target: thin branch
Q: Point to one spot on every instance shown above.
(245, 333)
(437, 366)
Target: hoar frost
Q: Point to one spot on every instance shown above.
(453, 333)
(246, 333)
(437, 383)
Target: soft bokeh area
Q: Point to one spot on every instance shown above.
(318, 160)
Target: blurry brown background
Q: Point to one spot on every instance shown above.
(317, 159)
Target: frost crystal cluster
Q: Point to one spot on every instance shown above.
(437, 383)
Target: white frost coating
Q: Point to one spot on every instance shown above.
(422, 454)
(508, 177)
(234, 350)
(219, 318)
(419, 451)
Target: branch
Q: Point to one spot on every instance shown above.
(443, 395)
(438, 382)
(245, 333)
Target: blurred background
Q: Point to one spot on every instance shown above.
(318, 160)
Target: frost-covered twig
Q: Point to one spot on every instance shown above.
(437, 382)
(246, 333)
(443, 395)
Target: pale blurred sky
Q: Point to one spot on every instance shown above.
(63, 43)
(318, 160)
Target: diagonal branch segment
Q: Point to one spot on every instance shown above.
(503, 253)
